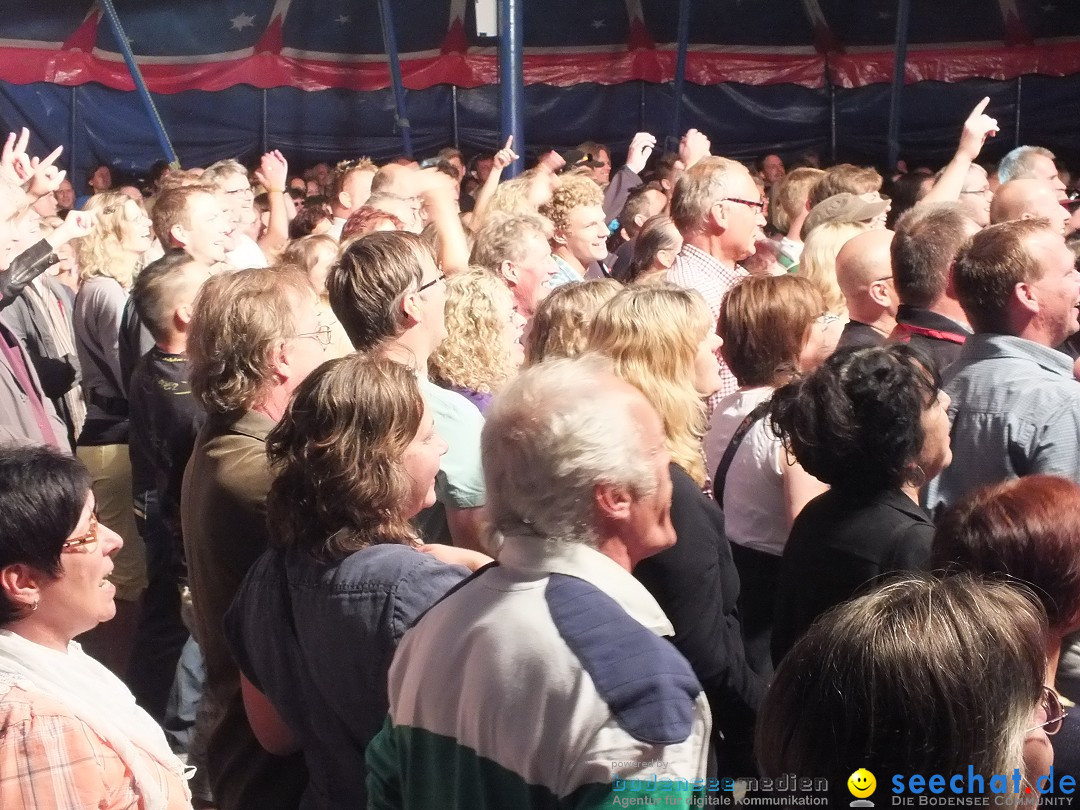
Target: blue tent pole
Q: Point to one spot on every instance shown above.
(903, 13)
(390, 43)
(71, 160)
(453, 100)
(140, 85)
(680, 67)
(511, 79)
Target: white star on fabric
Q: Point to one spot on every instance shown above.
(343, 19)
(598, 24)
(242, 21)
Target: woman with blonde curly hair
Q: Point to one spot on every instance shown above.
(662, 340)
(482, 349)
(818, 262)
(560, 327)
(109, 257)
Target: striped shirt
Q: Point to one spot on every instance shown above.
(543, 682)
(697, 270)
(51, 760)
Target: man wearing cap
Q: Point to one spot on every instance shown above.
(847, 207)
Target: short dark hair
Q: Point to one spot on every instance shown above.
(989, 267)
(337, 452)
(637, 203)
(155, 290)
(43, 493)
(856, 421)
(925, 246)
(369, 281)
(1026, 529)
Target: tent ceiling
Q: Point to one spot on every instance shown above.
(322, 44)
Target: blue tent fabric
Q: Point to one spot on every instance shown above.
(233, 77)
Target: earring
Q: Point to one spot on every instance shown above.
(917, 476)
(34, 605)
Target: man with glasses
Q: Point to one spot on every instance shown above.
(229, 181)
(864, 273)
(255, 336)
(388, 293)
(976, 195)
(718, 209)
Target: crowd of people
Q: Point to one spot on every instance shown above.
(412, 487)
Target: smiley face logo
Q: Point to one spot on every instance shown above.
(861, 783)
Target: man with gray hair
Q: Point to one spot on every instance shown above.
(1031, 163)
(718, 209)
(564, 687)
(517, 249)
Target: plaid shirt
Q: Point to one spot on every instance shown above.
(697, 270)
(51, 760)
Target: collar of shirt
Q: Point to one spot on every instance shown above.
(535, 555)
(252, 424)
(986, 347)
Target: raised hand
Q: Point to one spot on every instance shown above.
(551, 161)
(641, 147)
(505, 156)
(45, 177)
(977, 128)
(76, 225)
(693, 147)
(273, 171)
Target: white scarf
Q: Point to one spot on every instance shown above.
(98, 698)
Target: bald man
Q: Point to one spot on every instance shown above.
(1028, 198)
(864, 273)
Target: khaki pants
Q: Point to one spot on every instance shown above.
(110, 470)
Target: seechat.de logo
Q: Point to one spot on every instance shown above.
(862, 784)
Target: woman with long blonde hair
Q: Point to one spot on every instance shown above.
(662, 340)
(560, 327)
(653, 336)
(818, 262)
(109, 257)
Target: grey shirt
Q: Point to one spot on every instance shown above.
(99, 307)
(1015, 411)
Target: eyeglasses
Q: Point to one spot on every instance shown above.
(1055, 713)
(983, 191)
(758, 204)
(827, 318)
(86, 543)
(431, 283)
(322, 334)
